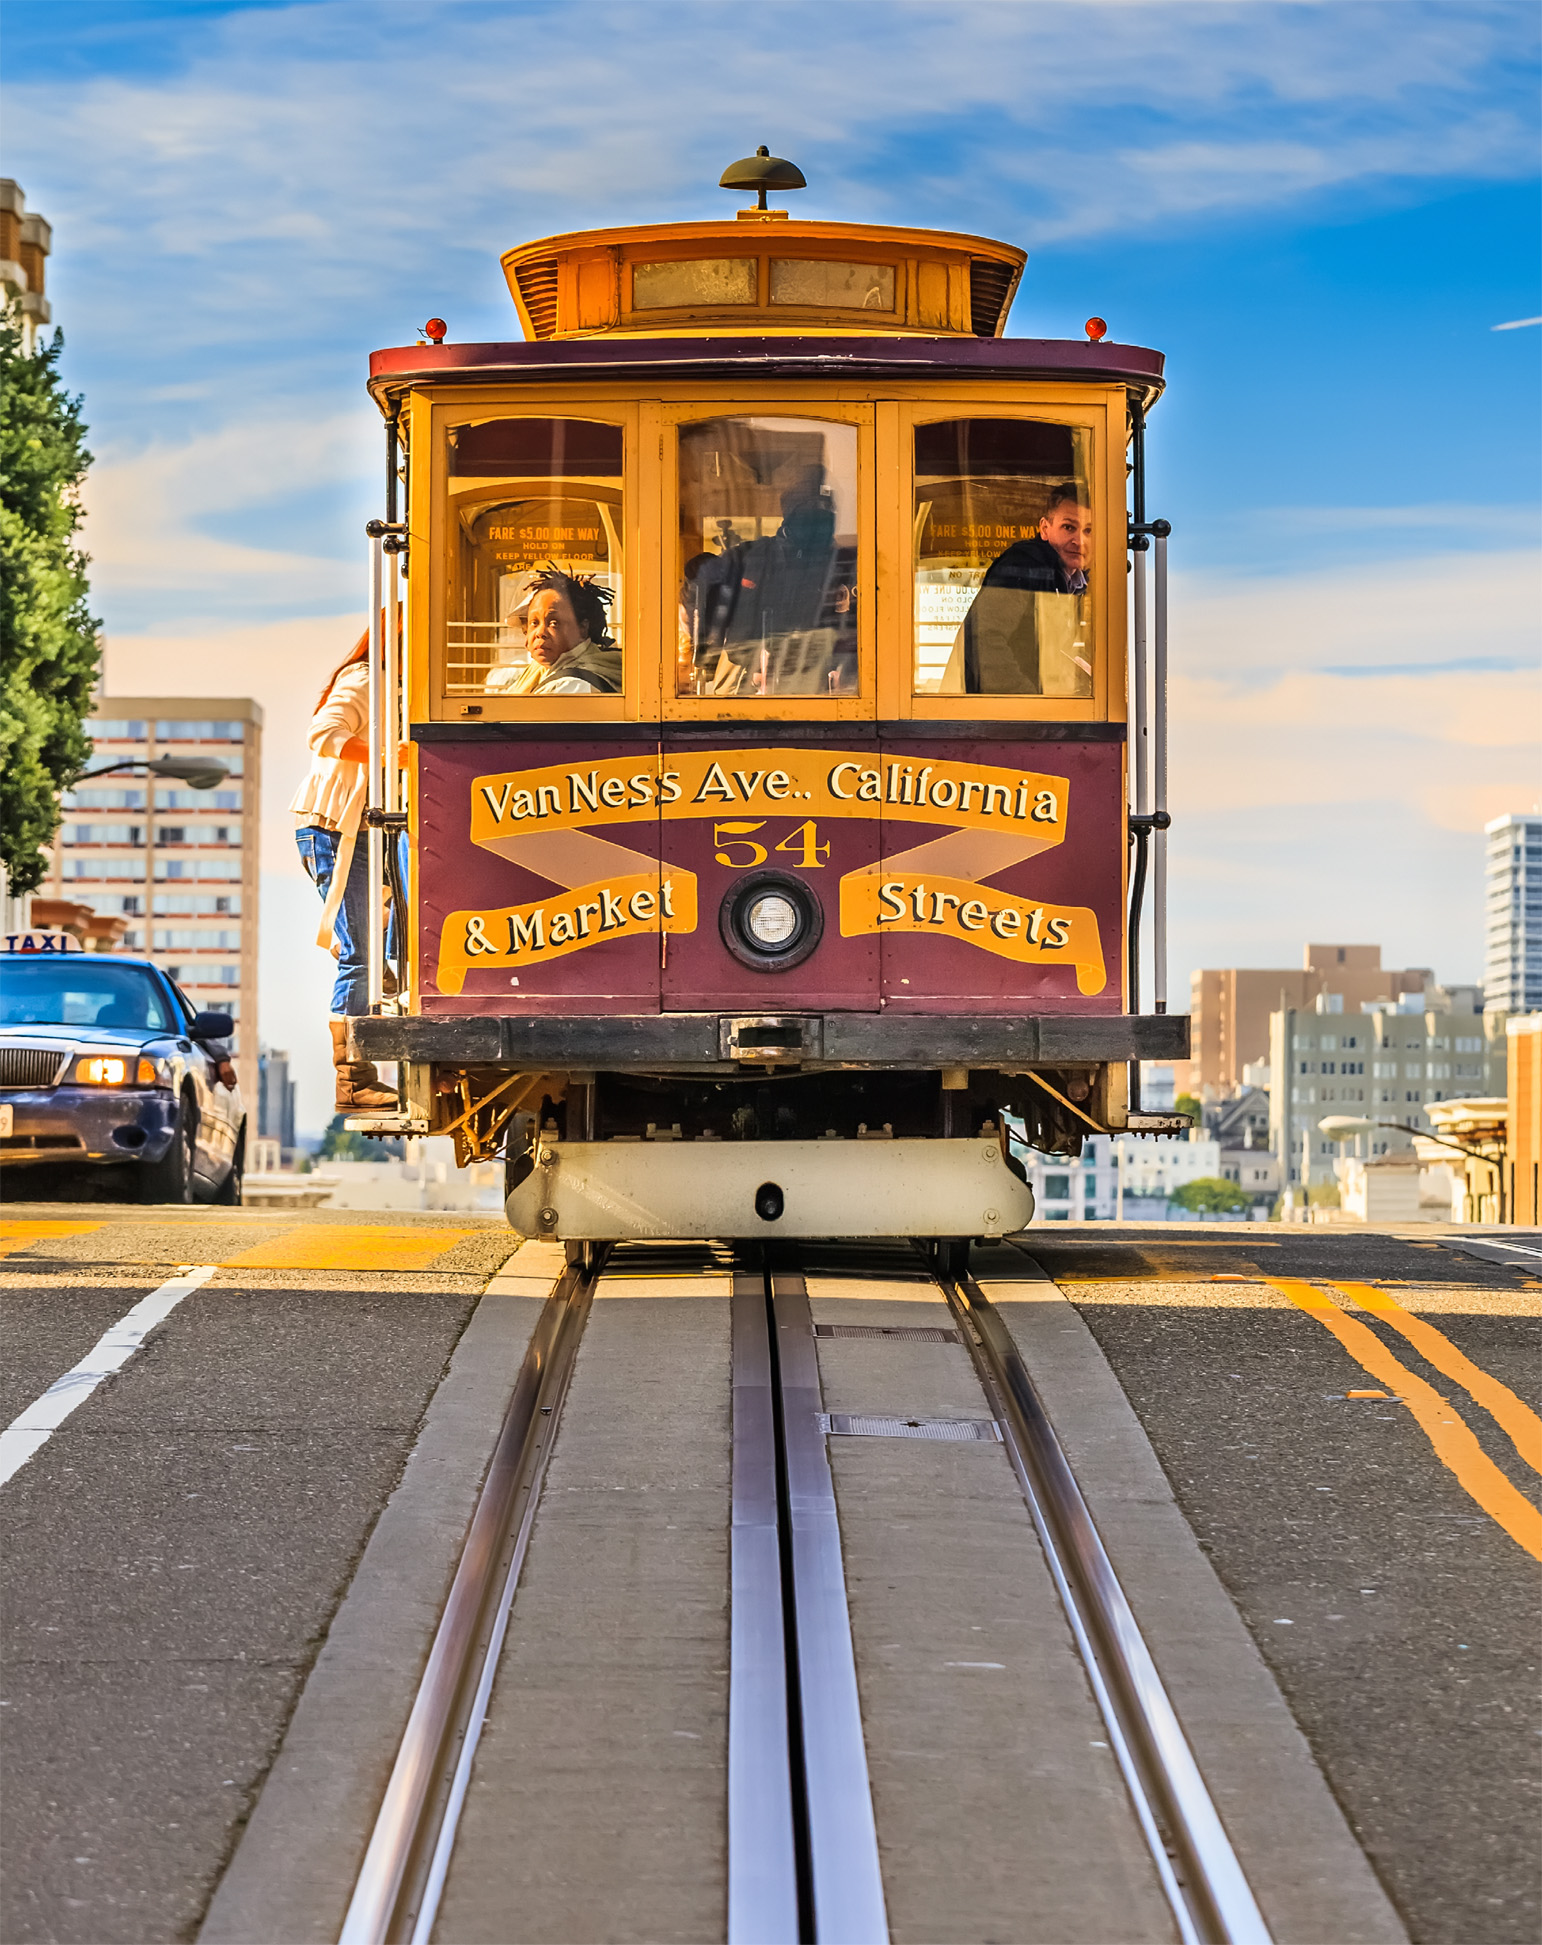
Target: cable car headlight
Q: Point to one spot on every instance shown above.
(771, 921)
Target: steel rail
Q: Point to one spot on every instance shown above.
(396, 1893)
(1211, 1899)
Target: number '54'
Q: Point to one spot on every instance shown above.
(734, 838)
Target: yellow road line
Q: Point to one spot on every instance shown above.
(349, 1246)
(1498, 1400)
(16, 1234)
(1442, 1425)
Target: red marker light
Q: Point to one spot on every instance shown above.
(1096, 328)
(435, 329)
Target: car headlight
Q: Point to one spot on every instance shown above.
(101, 1070)
(771, 921)
(117, 1070)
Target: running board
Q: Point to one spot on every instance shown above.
(619, 1191)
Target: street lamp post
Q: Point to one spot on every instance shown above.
(197, 772)
(1343, 1127)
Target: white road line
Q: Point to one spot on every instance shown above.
(111, 1351)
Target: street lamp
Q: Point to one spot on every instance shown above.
(197, 772)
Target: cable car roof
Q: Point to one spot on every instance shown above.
(1135, 367)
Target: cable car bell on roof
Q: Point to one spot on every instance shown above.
(760, 172)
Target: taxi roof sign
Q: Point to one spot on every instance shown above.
(41, 942)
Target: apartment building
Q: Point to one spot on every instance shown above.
(1230, 1007)
(26, 242)
(179, 865)
(1512, 962)
(1135, 1172)
(1386, 1062)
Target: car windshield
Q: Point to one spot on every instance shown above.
(63, 991)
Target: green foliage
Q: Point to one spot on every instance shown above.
(1189, 1104)
(1210, 1196)
(49, 645)
(340, 1144)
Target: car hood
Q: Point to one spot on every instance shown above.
(82, 1036)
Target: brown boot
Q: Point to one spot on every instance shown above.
(358, 1082)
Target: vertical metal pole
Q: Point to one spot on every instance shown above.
(1139, 740)
(373, 795)
(1159, 767)
(391, 676)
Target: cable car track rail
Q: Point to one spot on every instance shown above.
(1201, 1876)
(803, 1853)
(397, 1891)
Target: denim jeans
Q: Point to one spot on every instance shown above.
(318, 853)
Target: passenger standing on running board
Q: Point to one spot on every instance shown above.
(330, 808)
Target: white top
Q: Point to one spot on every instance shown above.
(332, 794)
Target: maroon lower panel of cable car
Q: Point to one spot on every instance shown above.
(786, 867)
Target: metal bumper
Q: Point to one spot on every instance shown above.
(696, 1040)
(88, 1124)
(615, 1191)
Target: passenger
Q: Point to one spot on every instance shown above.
(770, 613)
(330, 807)
(1025, 632)
(567, 631)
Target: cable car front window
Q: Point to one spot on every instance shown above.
(1004, 532)
(534, 501)
(767, 564)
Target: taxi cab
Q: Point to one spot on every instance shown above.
(106, 1067)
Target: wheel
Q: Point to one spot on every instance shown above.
(228, 1194)
(171, 1178)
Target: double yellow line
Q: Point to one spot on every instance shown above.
(1455, 1446)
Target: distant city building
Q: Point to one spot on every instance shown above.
(25, 244)
(1088, 1188)
(180, 865)
(1512, 967)
(1386, 1063)
(1230, 1008)
(275, 1098)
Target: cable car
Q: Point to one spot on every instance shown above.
(760, 679)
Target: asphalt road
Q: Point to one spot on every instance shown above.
(177, 1549)
(174, 1553)
(1399, 1618)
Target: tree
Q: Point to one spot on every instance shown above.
(50, 646)
(1210, 1196)
(1190, 1105)
(340, 1144)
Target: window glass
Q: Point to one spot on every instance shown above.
(767, 572)
(702, 280)
(835, 286)
(1003, 525)
(534, 596)
(50, 991)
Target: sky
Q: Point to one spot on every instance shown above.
(1324, 212)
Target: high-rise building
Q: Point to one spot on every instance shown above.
(275, 1098)
(25, 244)
(1230, 1007)
(179, 864)
(1512, 965)
(1385, 1064)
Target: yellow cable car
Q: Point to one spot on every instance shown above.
(762, 730)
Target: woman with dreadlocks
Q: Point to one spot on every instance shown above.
(567, 632)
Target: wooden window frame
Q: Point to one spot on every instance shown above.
(432, 537)
(862, 707)
(1102, 414)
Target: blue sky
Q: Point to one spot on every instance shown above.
(1319, 210)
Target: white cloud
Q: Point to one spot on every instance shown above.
(147, 512)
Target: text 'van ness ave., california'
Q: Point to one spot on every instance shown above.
(842, 783)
